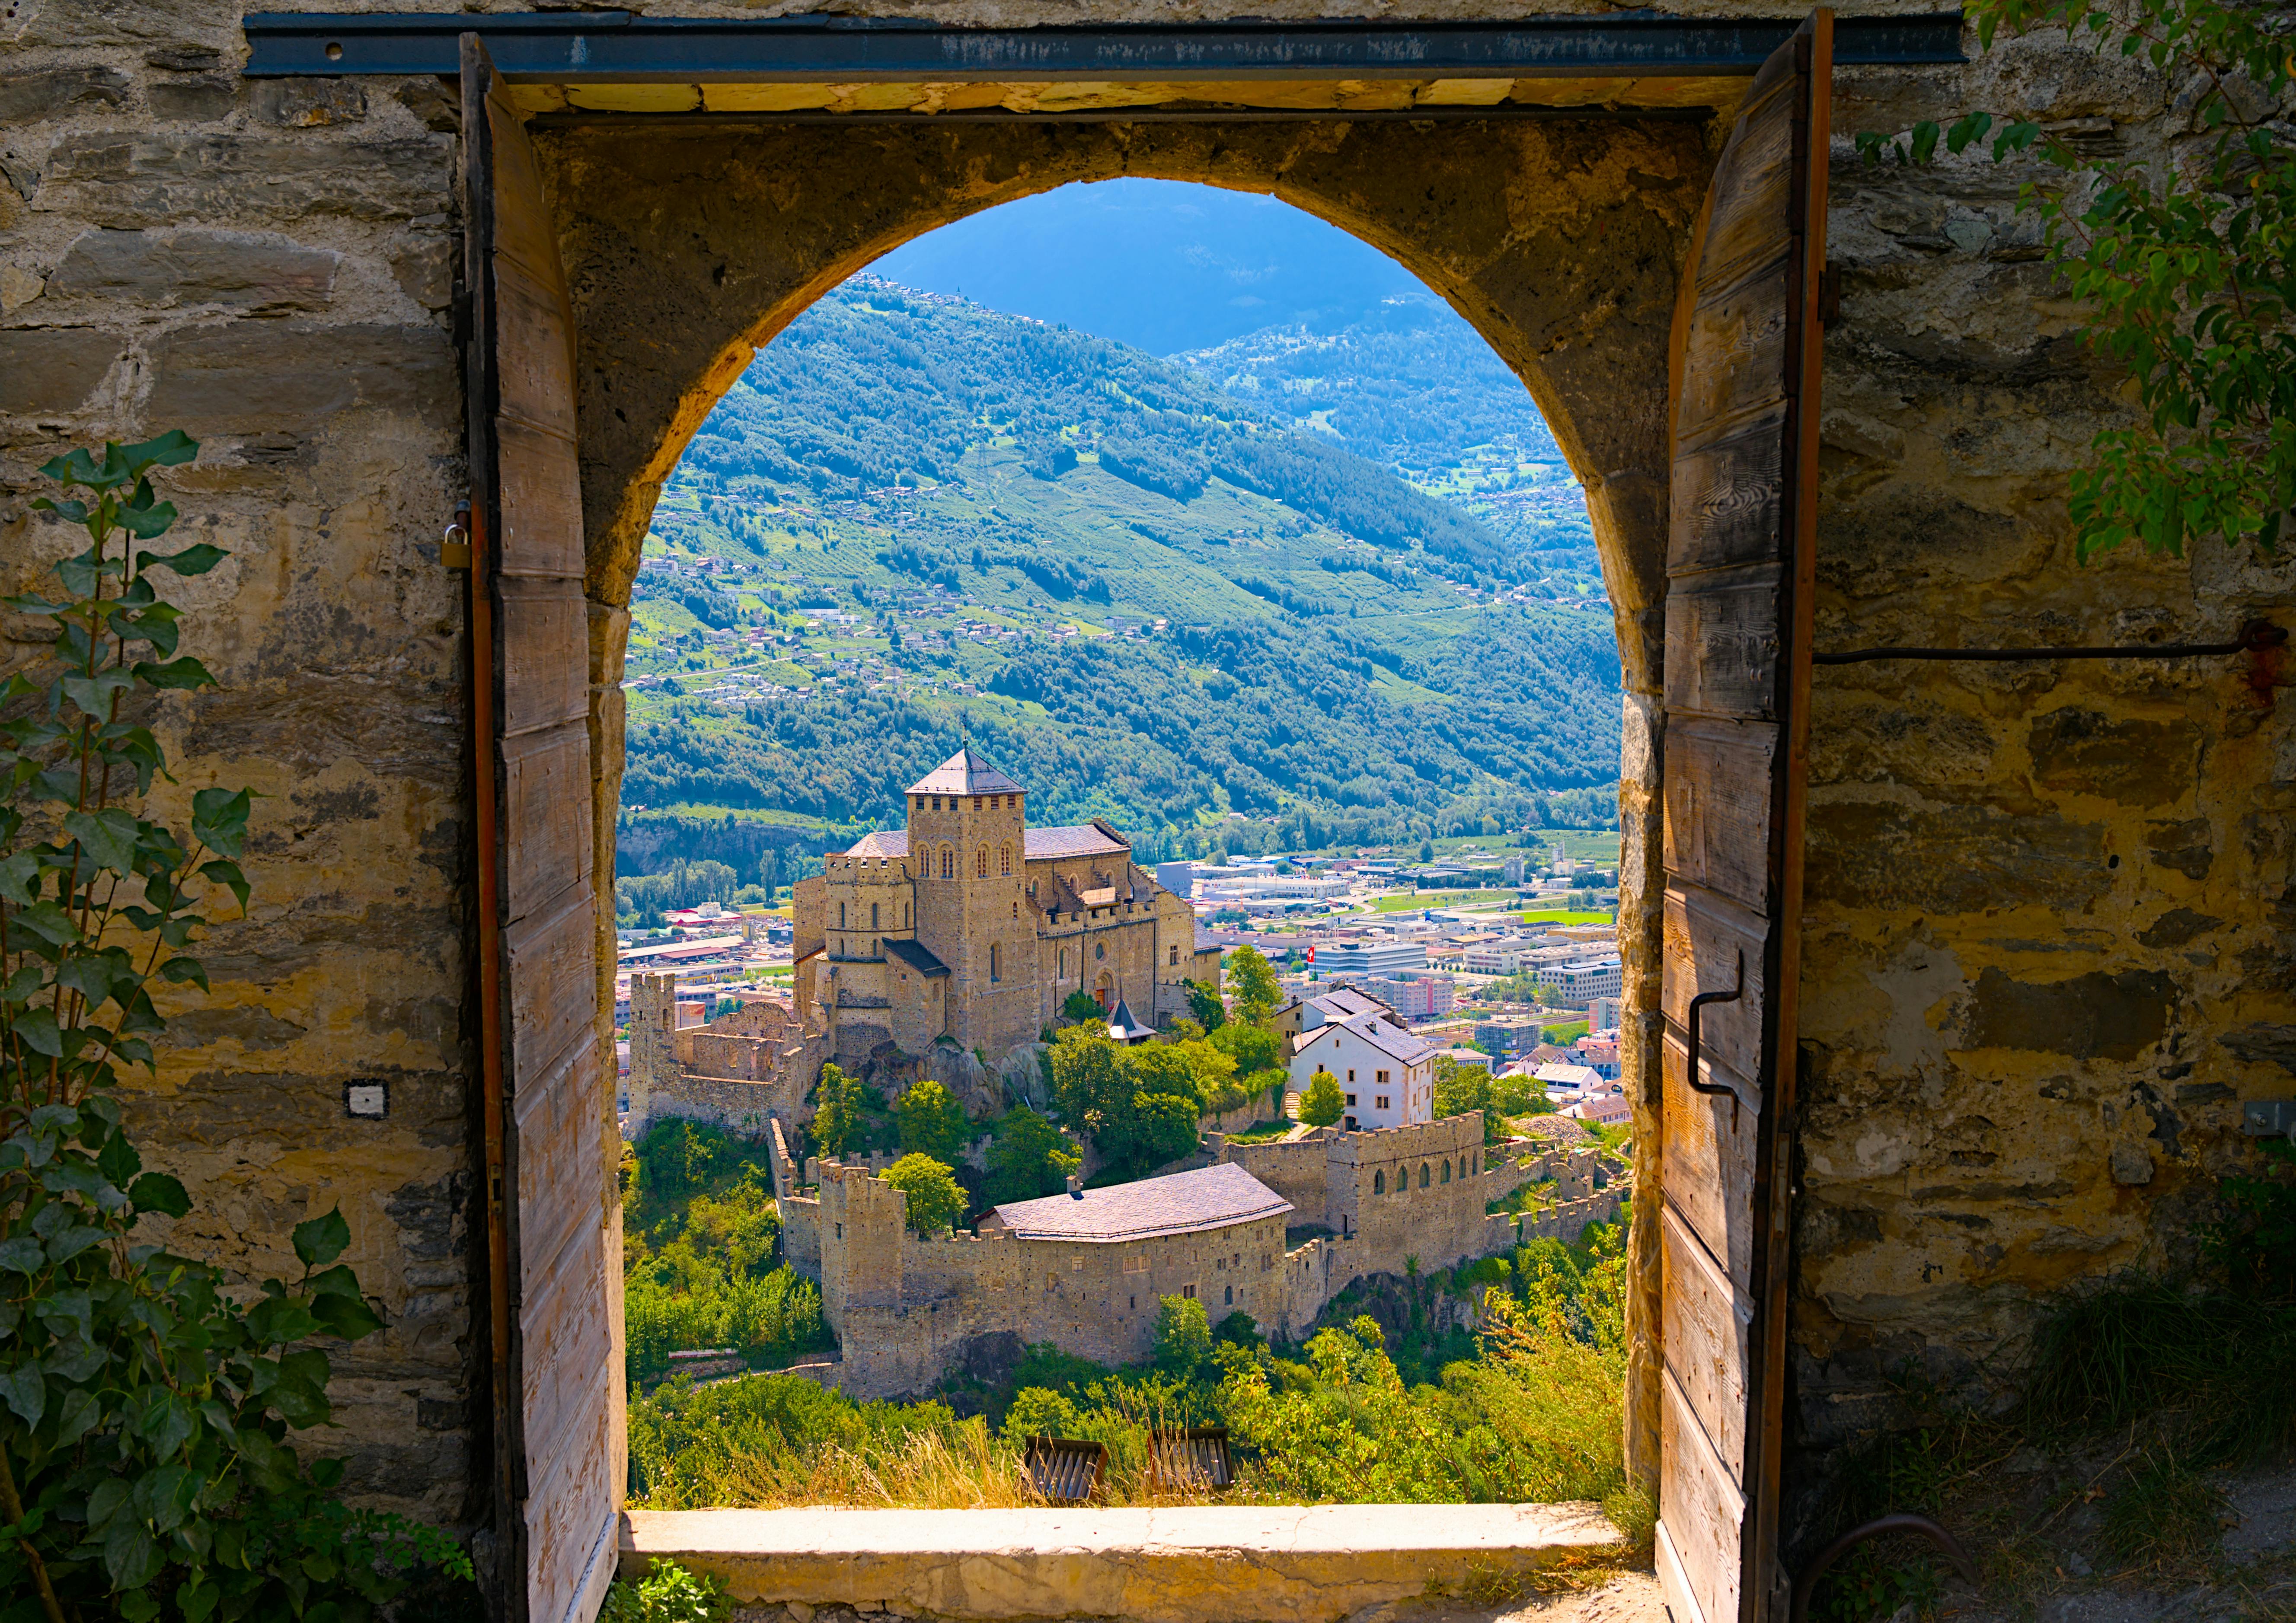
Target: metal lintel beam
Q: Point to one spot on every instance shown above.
(612, 47)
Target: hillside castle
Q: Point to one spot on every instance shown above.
(1274, 1230)
(970, 926)
(935, 950)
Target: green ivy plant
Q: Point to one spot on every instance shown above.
(2188, 267)
(145, 1470)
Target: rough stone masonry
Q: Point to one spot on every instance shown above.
(2050, 905)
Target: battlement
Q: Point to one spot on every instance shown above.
(1447, 1135)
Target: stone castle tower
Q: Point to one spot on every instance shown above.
(653, 1052)
(968, 845)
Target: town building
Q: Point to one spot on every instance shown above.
(971, 928)
(1386, 1074)
(1413, 997)
(1338, 960)
(1584, 981)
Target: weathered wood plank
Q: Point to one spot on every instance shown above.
(1709, 1162)
(1716, 828)
(553, 987)
(1704, 936)
(562, 1326)
(1727, 496)
(1722, 644)
(1674, 1581)
(524, 233)
(563, 1177)
(542, 503)
(1708, 1328)
(1704, 1510)
(1753, 194)
(1734, 354)
(536, 346)
(570, 1503)
(547, 804)
(546, 655)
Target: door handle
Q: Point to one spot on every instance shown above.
(1698, 1004)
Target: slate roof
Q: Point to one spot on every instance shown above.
(916, 957)
(1037, 844)
(964, 773)
(1185, 1203)
(1391, 1040)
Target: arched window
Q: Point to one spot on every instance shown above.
(947, 863)
(872, 915)
(981, 862)
(1447, 1172)
(995, 962)
(1004, 861)
(1423, 1179)
(1016, 910)
(1228, 1300)
(1378, 1183)
(1063, 970)
(840, 915)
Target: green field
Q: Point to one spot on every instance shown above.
(1568, 918)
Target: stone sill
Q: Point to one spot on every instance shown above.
(1183, 1564)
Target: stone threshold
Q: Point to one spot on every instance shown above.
(1181, 1565)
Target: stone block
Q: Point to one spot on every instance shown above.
(195, 268)
(183, 58)
(194, 99)
(18, 287)
(48, 370)
(254, 376)
(2096, 1016)
(424, 272)
(433, 103)
(2132, 1164)
(43, 95)
(1951, 859)
(2137, 763)
(2185, 847)
(180, 177)
(77, 24)
(309, 104)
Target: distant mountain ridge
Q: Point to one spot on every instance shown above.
(1149, 599)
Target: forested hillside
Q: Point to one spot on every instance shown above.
(1411, 386)
(1147, 599)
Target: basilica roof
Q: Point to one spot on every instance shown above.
(964, 773)
(1211, 1197)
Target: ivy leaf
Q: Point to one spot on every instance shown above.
(108, 837)
(19, 872)
(226, 875)
(184, 673)
(157, 1192)
(117, 1161)
(94, 694)
(347, 1317)
(36, 1028)
(22, 1254)
(322, 1239)
(178, 971)
(219, 819)
(170, 450)
(196, 559)
(50, 924)
(146, 519)
(280, 1318)
(130, 1557)
(77, 1417)
(25, 1392)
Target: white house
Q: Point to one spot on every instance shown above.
(1386, 1074)
(1609, 1110)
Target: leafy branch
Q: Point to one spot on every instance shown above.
(145, 1467)
(2188, 266)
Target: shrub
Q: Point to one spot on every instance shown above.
(668, 1594)
(932, 1121)
(1323, 1103)
(144, 1440)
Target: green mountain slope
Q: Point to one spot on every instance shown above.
(1411, 387)
(1148, 600)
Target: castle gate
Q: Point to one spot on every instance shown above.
(2040, 971)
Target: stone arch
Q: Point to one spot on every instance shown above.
(1423, 1179)
(948, 862)
(1378, 1183)
(1447, 1172)
(1004, 860)
(981, 862)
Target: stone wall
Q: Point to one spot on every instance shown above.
(2050, 906)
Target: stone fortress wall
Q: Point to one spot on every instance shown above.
(738, 1072)
(904, 1309)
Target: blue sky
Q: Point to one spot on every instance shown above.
(1160, 265)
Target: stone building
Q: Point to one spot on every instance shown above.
(739, 1071)
(971, 927)
(1272, 1230)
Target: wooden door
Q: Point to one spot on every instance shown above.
(548, 1102)
(1739, 568)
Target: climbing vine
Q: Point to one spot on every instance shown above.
(145, 1470)
(2186, 263)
